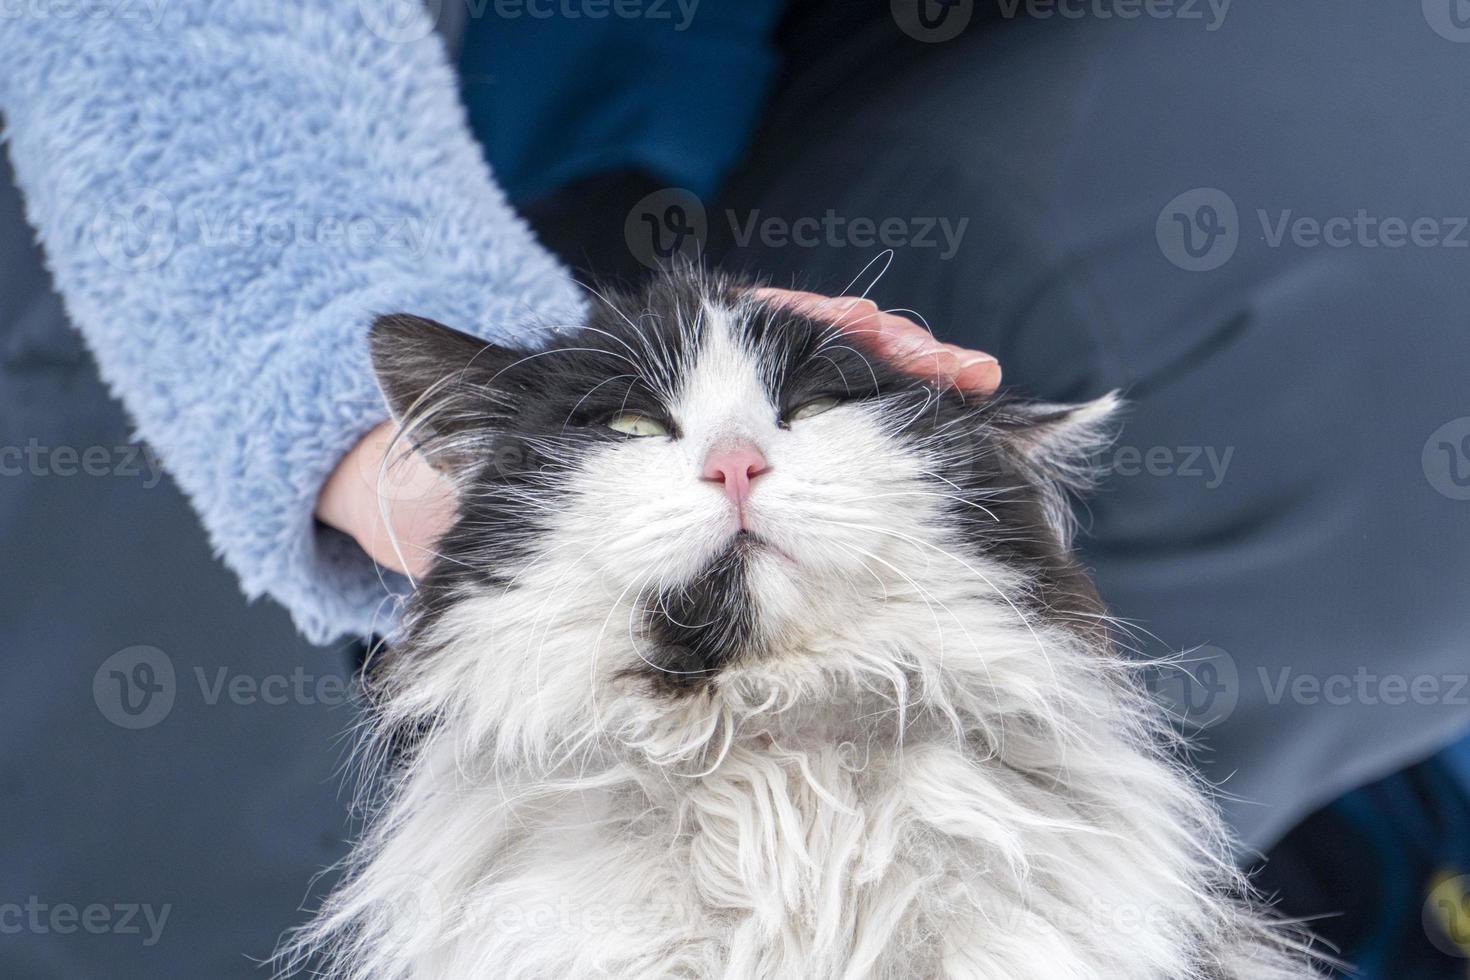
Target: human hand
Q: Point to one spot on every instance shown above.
(897, 338)
(391, 500)
(397, 506)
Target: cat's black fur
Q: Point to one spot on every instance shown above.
(507, 420)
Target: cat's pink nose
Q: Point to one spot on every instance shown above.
(735, 467)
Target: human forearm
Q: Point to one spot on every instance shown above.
(226, 199)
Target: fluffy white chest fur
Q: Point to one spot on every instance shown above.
(751, 657)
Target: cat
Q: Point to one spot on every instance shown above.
(752, 656)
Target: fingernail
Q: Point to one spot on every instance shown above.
(983, 374)
(853, 302)
(977, 359)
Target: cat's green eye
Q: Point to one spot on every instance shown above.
(637, 424)
(814, 407)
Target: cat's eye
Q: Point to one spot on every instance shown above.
(637, 424)
(814, 407)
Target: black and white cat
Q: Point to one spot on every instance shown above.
(750, 656)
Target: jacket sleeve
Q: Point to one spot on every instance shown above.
(227, 193)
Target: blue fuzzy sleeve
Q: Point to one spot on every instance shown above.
(227, 193)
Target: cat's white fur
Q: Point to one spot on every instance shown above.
(914, 779)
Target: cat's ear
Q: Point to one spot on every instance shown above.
(1058, 448)
(441, 385)
(1062, 442)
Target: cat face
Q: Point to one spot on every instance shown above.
(698, 486)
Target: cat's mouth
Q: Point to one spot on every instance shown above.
(746, 544)
(700, 626)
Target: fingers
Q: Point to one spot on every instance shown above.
(896, 338)
(390, 500)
